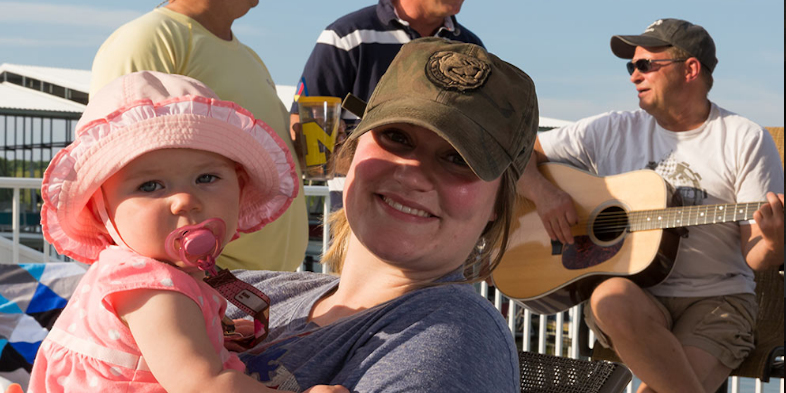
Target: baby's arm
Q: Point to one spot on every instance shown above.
(170, 331)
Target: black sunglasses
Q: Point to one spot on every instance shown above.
(645, 65)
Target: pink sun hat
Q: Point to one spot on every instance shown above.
(146, 111)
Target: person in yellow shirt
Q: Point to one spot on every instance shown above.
(195, 38)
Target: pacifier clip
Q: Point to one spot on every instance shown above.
(199, 245)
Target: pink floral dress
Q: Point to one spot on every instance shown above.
(89, 347)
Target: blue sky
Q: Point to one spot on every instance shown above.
(563, 45)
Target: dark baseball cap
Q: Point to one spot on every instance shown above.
(484, 107)
(670, 32)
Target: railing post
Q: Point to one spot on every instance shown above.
(47, 252)
(512, 309)
(322, 191)
(575, 315)
(527, 330)
(325, 227)
(558, 334)
(15, 226)
(542, 330)
(498, 299)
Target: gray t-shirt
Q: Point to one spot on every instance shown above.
(438, 339)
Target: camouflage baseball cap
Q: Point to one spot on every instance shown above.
(670, 32)
(486, 108)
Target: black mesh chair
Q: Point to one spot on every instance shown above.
(553, 374)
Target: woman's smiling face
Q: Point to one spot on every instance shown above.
(412, 200)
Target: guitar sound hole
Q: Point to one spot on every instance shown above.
(610, 224)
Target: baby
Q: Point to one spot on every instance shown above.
(162, 174)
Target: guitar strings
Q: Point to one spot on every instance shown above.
(640, 217)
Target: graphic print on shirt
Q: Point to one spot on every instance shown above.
(679, 174)
(274, 373)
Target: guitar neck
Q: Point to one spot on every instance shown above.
(676, 217)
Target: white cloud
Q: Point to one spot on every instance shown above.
(72, 15)
(39, 43)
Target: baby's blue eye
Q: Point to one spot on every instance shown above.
(206, 178)
(149, 186)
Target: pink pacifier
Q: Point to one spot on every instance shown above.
(198, 245)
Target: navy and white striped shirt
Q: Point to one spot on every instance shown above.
(353, 53)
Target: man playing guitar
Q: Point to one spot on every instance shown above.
(687, 333)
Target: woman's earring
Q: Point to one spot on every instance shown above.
(481, 244)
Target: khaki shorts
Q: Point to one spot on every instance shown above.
(721, 326)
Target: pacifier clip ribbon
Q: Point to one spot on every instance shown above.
(199, 245)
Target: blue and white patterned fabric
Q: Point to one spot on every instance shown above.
(31, 298)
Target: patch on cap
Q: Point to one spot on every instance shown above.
(457, 71)
(653, 25)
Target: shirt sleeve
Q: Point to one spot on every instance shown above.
(761, 169)
(125, 271)
(144, 44)
(576, 143)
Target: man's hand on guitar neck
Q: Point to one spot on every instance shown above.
(555, 207)
(762, 244)
(770, 218)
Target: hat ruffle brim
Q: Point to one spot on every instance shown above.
(104, 146)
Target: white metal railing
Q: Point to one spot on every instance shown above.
(547, 342)
(321, 191)
(18, 184)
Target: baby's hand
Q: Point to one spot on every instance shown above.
(327, 389)
(245, 330)
(244, 327)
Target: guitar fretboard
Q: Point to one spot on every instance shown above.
(676, 217)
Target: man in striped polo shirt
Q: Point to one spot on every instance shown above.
(353, 53)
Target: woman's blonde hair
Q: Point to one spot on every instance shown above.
(479, 264)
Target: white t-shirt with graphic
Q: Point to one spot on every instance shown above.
(729, 159)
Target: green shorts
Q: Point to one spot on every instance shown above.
(722, 326)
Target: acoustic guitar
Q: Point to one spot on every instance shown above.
(626, 229)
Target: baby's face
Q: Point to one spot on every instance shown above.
(163, 190)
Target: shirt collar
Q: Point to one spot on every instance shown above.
(387, 14)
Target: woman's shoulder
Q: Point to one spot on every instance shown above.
(285, 288)
(156, 23)
(285, 281)
(457, 306)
